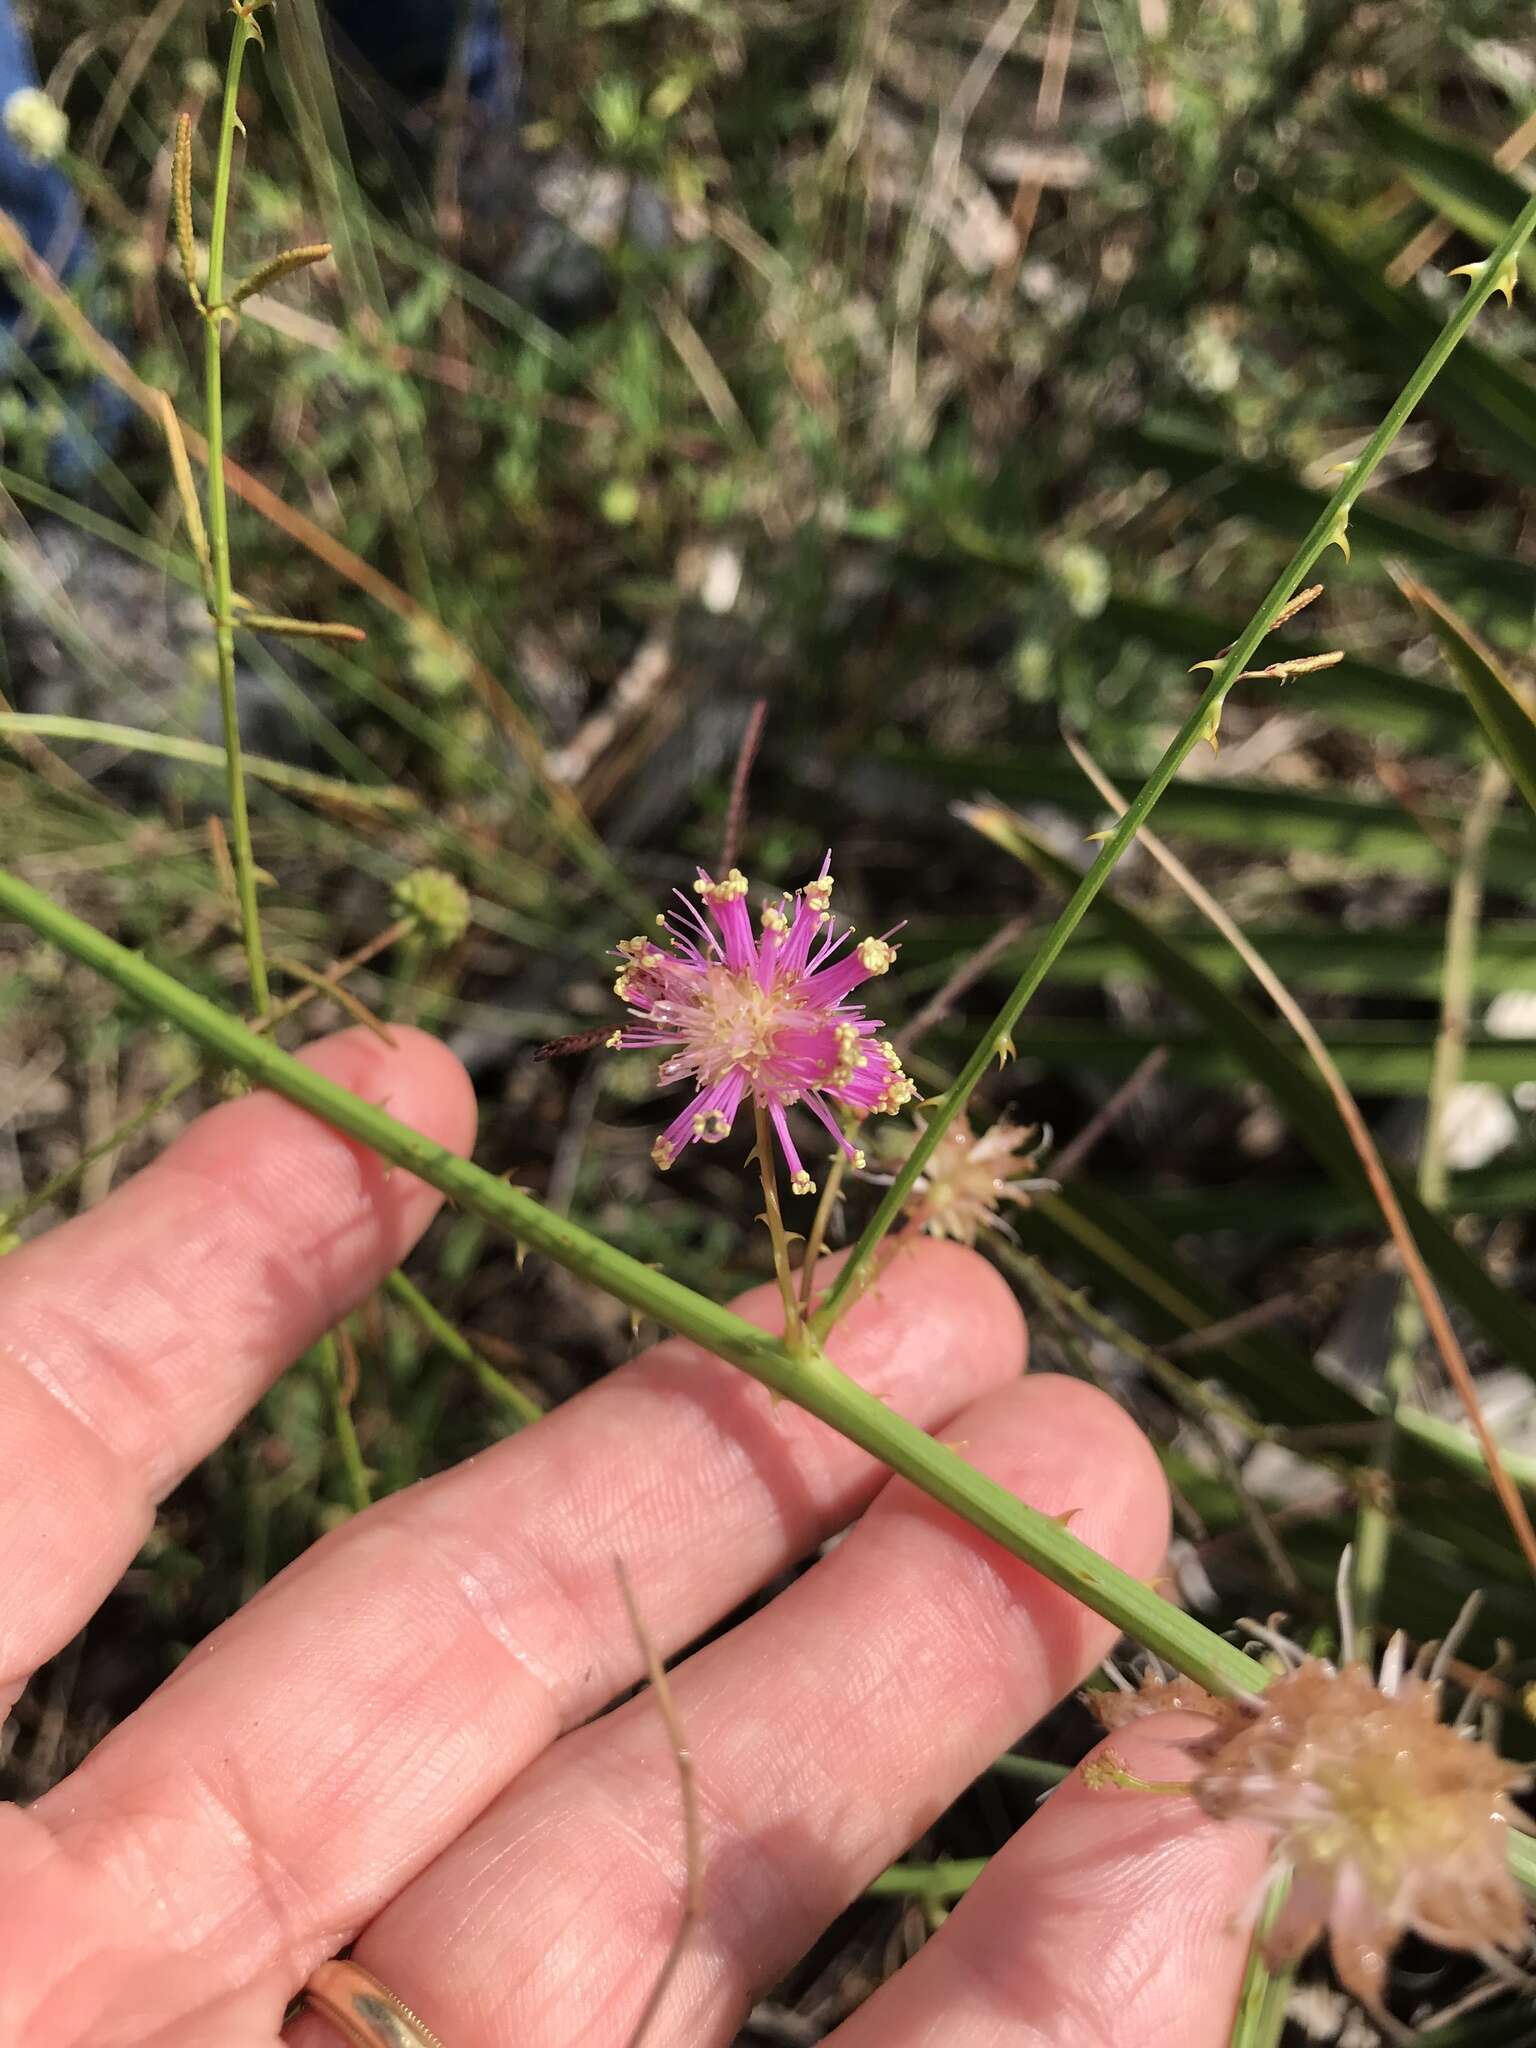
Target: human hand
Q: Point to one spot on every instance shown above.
(387, 1745)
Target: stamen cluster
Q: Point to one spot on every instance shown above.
(766, 1015)
(968, 1178)
(1386, 1818)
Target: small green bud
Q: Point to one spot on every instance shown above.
(437, 664)
(200, 78)
(1082, 575)
(435, 902)
(38, 127)
(620, 502)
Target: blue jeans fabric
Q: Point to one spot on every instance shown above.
(410, 43)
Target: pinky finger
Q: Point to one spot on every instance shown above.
(1113, 1917)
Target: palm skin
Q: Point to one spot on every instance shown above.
(393, 1744)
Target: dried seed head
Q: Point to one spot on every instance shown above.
(1388, 1819)
(968, 1178)
(1158, 1695)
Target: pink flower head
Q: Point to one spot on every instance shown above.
(766, 1016)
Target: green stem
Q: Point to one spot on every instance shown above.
(356, 796)
(773, 1216)
(1373, 1523)
(1033, 1770)
(218, 523)
(1202, 722)
(174, 1090)
(806, 1377)
(927, 1880)
(1266, 1992)
(359, 1491)
(521, 1407)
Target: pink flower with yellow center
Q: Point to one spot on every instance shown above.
(766, 1015)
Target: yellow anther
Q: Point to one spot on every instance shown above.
(731, 890)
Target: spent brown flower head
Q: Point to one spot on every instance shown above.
(1389, 1819)
(969, 1176)
(1385, 1818)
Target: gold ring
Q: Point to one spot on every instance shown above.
(364, 2011)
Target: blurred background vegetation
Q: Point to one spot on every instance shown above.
(942, 376)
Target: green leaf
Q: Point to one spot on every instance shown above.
(1404, 961)
(1501, 708)
(1364, 695)
(1190, 454)
(1452, 176)
(1360, 833)
(1302, 1209)
(1487, 398)
(1375, 1059)
(1298, 1093)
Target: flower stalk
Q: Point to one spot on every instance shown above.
(1329, 529)
(806, 1377)
(773, 1217)
(213, 312)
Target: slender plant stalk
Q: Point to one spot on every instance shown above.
(773, 1216)
(1266, 1991)
(218, 518)
(325, 984)
(1373, 1524)
(940, 1881)
(815, 1243)
(567, 816)
(1329, 529)
(806, 1377)
(511, 1399)
(1034, 1770)
(324, 789)
(359, 1489)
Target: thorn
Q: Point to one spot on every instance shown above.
(1505, 281)
(1210, 727)
(1338, 536)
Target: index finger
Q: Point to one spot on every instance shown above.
(134, 1337)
